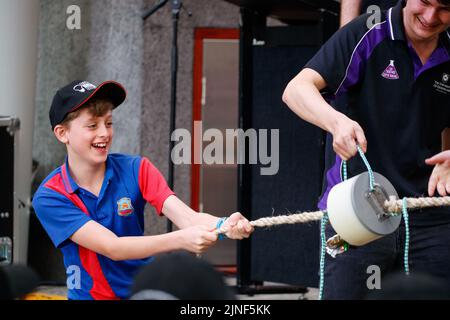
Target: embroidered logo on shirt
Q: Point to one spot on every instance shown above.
(124, 207)
(390, 72)
(442, 86)
(445, 77)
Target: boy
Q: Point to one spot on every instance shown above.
(92, 206)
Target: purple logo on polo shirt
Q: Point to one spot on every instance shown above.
(124, 207)
(390, 72)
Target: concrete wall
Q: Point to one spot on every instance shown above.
(115, 52)
(156, 91)
(61, 59)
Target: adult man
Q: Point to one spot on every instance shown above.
(396, 78)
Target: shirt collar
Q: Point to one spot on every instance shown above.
(68, 182)
(397, 29)
(395, 20)
(71, 186)
(445, 39)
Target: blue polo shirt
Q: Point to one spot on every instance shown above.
(63, 207)
(401, 104)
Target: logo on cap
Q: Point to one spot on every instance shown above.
(445, 77)
(83, 86)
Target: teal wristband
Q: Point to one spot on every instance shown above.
(221, 236)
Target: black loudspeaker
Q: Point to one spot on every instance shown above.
(8, 127)
(270, 58)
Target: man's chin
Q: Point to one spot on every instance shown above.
(425, 33)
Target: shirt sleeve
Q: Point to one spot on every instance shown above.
(152, 184)
(341, 60)
(58, 215)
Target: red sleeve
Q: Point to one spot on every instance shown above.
(152, 184)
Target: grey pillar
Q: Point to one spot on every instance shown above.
(115, 53)
(18, 35)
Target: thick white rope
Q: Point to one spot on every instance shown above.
(395, 205)
(303, 217)
(392, 205)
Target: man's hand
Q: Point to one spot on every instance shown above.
(440, 177)
(346, 133)
(238, 227)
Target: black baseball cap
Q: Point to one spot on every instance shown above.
(74, 95)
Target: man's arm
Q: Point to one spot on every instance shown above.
(350, 9)
(302, 95)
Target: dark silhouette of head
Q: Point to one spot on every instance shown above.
(16, 281)
(181, 276)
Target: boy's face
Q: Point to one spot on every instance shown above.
(425, 19)
(88, 138)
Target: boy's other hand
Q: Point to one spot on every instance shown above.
(199, 238)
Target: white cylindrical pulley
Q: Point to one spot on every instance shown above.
(357, 214)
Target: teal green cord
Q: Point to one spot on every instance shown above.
(406, 253)
(323, 223)
(369, 168)
(366, 162)
(344, 170)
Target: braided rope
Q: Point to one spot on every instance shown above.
(395, 205)
(392, 205)
(303, 217)
(289, 219)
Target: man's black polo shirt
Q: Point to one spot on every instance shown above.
(402, 105)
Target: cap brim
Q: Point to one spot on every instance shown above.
(110, 90)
